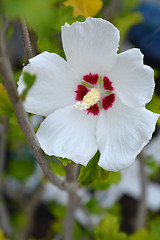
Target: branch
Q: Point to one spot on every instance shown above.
(26, 40)
(71, 175)
(7, 75)
(142, 208)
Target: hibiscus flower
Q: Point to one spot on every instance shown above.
(95, 100)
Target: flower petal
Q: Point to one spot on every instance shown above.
(90, 46)
(54, 86)
(81, 92)
(91, 78)
(107, 84)
(69, 133)
(121, 134)
(108, 101)
(93, 109)
(132, 80)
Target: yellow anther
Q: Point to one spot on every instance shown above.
(91, 98)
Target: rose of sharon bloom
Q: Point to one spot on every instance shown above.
(94, 100)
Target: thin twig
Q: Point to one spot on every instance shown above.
(7, 75)
(26, 40)
(142, 208)
(71, 175)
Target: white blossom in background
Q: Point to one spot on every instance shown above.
(130, 185)
(52, 193)
(94, 100)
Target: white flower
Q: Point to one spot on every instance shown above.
(94, 100)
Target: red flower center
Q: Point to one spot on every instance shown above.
(103, 85)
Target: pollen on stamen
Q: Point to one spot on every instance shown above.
(91, 98)
(81, 106)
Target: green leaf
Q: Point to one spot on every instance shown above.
(81, 233)
(129, 5)
(52, 14)
(6, 107)
(63, 14)
(78, 232)
(109, 229)
(114, 178)
(154, 230)
(106, 2)
(154, 105)
(116, 210)
(29, 81)
(18, 219)
(1, 79)
(16, 137)
(58, 168)
(64, 161)
(21, 169)
(154, 167)
(92, 172)
(142, 234)
(102, 175)
(93, 207)
(58, 211)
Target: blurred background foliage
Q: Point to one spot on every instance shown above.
(29, 207)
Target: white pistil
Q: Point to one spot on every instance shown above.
(91, 98)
